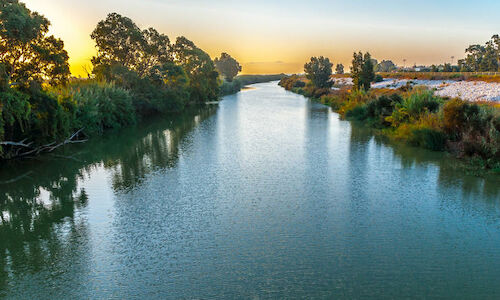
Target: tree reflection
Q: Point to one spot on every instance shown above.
(40, 201)
(451, 174)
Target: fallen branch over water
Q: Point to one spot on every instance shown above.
(23, 149)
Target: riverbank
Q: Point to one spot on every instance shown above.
(417, 116)
(229, 88)
(235, 199)
(40, 121)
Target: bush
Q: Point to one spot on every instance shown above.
(378, 78)
(229, 88)
(289, 82)
(99, 105)
(318, 93)
(357, 112)
(299, 84)
(383, 105)
(419, 101)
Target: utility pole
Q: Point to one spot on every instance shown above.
(452, 60)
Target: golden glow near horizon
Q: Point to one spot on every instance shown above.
(280, 36)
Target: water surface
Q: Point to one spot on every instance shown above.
(265, 196)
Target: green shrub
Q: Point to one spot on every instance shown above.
(229, 88)
(420, 101)
(383, 105)
(299, 84)
(358, 113)
(99, 105)
(378, 78)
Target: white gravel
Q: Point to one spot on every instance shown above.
(466, 90)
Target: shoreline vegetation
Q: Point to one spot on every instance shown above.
(414, 115)
(136, 73)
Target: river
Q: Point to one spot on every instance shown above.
(266, 195)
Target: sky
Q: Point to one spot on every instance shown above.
(268, 36)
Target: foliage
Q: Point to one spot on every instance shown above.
(136, 73)
(385, 66)
(378, 78)
(339, 69)
(421, 119)
(290, 82)
(27, 53)
(98, 105)
(362, 71)
(382, 107)
(482, 58)
(357, 112)
(420, 101)
(227, 66)
(119, 41)
(319, 70)
(229, 88)
(200, 69)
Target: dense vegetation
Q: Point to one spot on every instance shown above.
(339, 69)
(228, 88)
(362, 71)
(227, 66)
(135, 73)
(319, 70)
(482, 58)
(413, 115)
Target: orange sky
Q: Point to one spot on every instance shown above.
(279, 36)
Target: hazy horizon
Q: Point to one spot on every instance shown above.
(279, 37)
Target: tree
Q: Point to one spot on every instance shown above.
(339, 69)
(227, 66)
(362, 71)
(482, 58)
(200, 69)
(385, 66)
(119, 41)
(447, 68)
(26, 51)
(319, 70)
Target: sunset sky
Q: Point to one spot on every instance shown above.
(279, 36)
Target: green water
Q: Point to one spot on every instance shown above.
(265, 196)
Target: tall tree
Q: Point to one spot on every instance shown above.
(482, 58)
(119, 41)
(227, 66)
(362, 71)
(200, 69)
(385, 66)
(339, 69)
(27, 52)
(319, 70)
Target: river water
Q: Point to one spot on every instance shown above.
(266, 195)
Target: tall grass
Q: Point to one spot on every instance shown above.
(98, 105)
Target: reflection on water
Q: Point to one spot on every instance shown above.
(268, 195)
(41, 202)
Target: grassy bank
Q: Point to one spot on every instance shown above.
(229, 88)
(470, 131)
